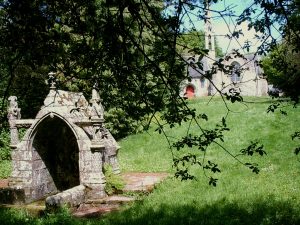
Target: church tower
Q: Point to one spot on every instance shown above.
(209, 34)
(210, 46)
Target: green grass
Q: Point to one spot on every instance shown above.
(241, 197)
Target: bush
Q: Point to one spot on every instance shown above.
(114, 182)
(120, 124)
(5, 168)
(4, 145)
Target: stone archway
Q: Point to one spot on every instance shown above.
(63, 150)
(56, 165)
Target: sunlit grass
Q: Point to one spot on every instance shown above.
(241, 197)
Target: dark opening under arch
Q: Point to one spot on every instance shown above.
(57, 147)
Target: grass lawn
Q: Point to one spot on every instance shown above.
(241, 197)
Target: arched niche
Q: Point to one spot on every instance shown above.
(56, 161)
(236, 72)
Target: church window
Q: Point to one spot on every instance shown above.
(202, 82)
(235, 74)
(209, 42)
(210, 90)
(209, 28)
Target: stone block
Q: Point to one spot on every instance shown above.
(66, 198)
(93, 178)
(83, 143)
(41, 176)
(35, 155)
(72, 197)
(85, 156)
(96, 192)
(21, 155)
(21, 174)
(88, 164)
(24, 165)
(97, 157)
(39, 192)
(27, 181)
(51, 187)
(38, 165)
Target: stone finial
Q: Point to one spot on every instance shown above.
(52, 80)
(95, 94)
(96, 108)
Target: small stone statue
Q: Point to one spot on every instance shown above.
(96, 109)
(52, 80)
(14, 113)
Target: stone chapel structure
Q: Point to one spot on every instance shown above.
(249, 82)
(62, 152)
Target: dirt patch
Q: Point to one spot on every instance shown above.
(142, 181)
(3, 183)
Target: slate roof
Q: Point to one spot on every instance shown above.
(194, 70)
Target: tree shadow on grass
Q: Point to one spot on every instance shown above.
(262, 212)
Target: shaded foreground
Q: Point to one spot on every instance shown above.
(221, 212)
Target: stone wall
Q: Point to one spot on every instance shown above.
(64, 147)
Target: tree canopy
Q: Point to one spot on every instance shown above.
(282, 69)
(130, 48)
(193, 40)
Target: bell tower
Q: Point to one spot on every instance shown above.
(209, 34)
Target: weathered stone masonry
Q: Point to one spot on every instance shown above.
(63, 150)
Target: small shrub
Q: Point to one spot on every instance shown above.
(121, 124)
(5, 168)
(114, 182)
(4, 145)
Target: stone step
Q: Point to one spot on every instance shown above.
(114, 199)
(142, 182)
(87, 211)
(98, 207)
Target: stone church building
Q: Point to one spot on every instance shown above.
(245, 77)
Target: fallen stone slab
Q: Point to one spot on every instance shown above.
(88, 212)
(113, 199)
(72, 197)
